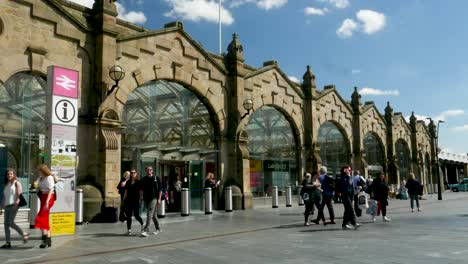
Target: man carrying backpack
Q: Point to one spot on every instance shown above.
(328, 187)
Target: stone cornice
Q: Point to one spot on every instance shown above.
(370, 106)
(333, 90)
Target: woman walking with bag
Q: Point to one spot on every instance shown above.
(11, 201)
(47, 196)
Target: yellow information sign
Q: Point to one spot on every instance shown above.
(62, 223)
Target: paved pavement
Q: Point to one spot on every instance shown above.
(438, 234)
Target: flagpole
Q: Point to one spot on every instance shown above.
(219, 25)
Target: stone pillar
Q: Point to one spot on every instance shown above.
(357, 157)
(235, 170)
(391, 167)
(414, 168)
(309, 89)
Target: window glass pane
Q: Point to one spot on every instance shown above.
(164, 117)
(272, 149)
(334, 150)
(403, 158)
(374, 154)
(22, 111)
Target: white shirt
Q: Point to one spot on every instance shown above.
(47, 184)
(9, 193)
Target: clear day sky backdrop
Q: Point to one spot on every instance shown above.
(412, 53)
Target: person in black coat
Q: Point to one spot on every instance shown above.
(413, 187)
(380, 194)
(346, 189)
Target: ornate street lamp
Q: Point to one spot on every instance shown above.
(116, 73)
(248, 105)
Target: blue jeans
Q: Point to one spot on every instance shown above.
(412, 198)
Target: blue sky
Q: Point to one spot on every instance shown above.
(412, 53)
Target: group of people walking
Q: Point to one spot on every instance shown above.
(133, 192)
(318, 189)
(12, 193)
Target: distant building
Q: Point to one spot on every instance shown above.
(184, 110)
(453, 167)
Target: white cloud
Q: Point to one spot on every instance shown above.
(369, 22)
(87, 3)
(339, 3)
(463, 128)
(372, 21)
(294, 79)
(198, 10)
(373, 91)
(269, 4)
(132, 16)
(355, 71)
(263, 4)
(445, 114)
(336, 3)
(315, 11)
(347, 28)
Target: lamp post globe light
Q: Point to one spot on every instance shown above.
(248, 105)
(116, 73)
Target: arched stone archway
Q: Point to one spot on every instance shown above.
(334, 147)
(167, 126)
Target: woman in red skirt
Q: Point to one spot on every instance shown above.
(46, 185)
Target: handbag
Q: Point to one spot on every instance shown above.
(22, 201)
(362, 201)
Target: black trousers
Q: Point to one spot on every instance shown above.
(133, 208)
(327, 200)
(357, 210)
(348, 216)
(309, 209)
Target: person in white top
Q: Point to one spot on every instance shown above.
(47, 196)
(10, 202)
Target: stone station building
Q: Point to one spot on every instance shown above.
(184, 110)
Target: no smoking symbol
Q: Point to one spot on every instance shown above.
(65, 111)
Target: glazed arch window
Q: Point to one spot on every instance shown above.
(1, 26)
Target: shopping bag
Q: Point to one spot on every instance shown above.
(372, 209)
(362, 201)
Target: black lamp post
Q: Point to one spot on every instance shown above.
(116, 73)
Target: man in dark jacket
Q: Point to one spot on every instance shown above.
(151, 186)
(328, 187)
(347, 191)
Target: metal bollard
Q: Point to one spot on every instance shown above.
(79, 206)
(288, 196)
(208, 201)
(228, 199)
(274, 196)
(34, 205)
(299, 197)
(162, 209)
(185, 208)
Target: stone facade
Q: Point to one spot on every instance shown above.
(37, 33)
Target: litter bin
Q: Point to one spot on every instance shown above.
(34, 204)
(162, 209)
(288, 196)
(185, 208)
(79, 206)
(228, 199)
(274, 196)
(208, 201)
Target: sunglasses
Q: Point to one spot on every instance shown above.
(133, 172)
